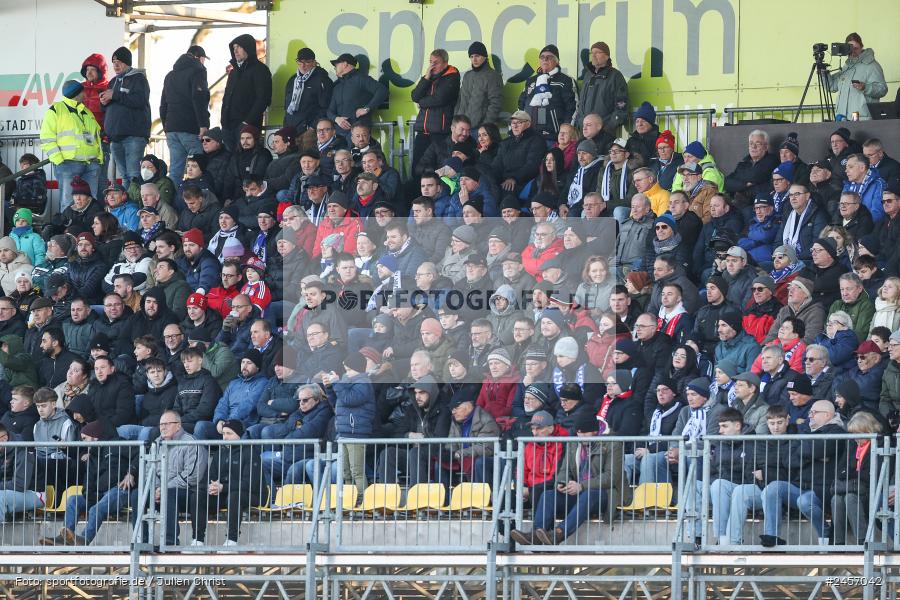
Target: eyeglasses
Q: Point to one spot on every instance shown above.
(167, 423)
(797, 194)
(847, 204)
(664, 147)
(661, 226)
(206, 139)
(777, 256)
(547, 57)
(228, 276)
(644, 326)
(240, 306)
(307, 399)
(759, 288)
(812, 359)
(173, 336)
(324, 129)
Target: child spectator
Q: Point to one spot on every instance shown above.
(26, 239)
(22, 415)
(255, 287)
(54, 425)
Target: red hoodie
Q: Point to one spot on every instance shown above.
(496, 396)
(92, 89)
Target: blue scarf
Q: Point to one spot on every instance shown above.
(20, 231)
(779, 274)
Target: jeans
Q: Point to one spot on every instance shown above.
(127, 154)
(181, 145)
(68, 170)
(730, 503)
(111, 503)
(783, 493)
(414, 461)
(135, 432)
(576, 508)
(278, 465)
(621, 213)
(206, 430)
(654, 468)
(13, 502)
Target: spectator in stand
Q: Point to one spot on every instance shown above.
(184, 107)
(248, 91)
(71, 140)
(855, 302)
(700, 191)
(519, 155)
(615, 182)
(436, 93)
(868, 373)
(585, 173)
(307, 93)
(153, 172)
(481, 92)
(550, 96)
(355, 95)
(604, 91)
(841, 146)
(858, 82)
(127, 122)
(94, 70)
(26, 239)
(666, 161)
(866, 182)
(750, 176)
(887, 167)
(696, 152)
(854, 218)
(734, 343)
(850, 489)
(645, 183)
(235, 480)
(811, 477)
(802, 224)
(592, 129)
(218, 160)
(760, 310)
(889, 401)
(635, 234)
(642, 141)
(21, 417)
(789, 151)
(760, 236)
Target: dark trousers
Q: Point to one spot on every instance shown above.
(414, 461)
(236, 502)
(179, 500)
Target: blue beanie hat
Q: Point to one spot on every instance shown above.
(668, 219)
(700, 385)
(646, 112)
(695, 148)
(786, 170)
(389, 262)
(72, 88)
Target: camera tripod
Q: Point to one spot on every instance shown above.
(826, 100)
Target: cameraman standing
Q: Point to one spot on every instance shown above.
(858, 82)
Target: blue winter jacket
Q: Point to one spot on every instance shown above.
(742, 350)
(239, 400)
(870, 196)
(354, 406)
(203, 272)
(127, 214)
(760, 240)
(841, 349)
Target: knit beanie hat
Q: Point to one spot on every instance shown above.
(646, 112)
(828, 244)
(695, 149)
(122, 54)
(733, 318)
(624, 378)
(719, 282)
(478, 48)
(700, 385)
(80, 186)
(786, 170)
(235, 425)
(792, 143)
(431, 325)
(500, 354)
(64, 242)
(356, 362)
(552, 49)
(194, 236)
(567, 347)
(666, 137)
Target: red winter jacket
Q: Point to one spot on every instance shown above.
(219, 299)
(542, 459)
(92, 89)
(496, 396)
(600, 350)
(349, 226)
(533, 263)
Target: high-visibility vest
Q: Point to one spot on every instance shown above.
(70, 132)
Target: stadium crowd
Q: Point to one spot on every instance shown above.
(608, 284)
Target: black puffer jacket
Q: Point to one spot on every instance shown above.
(313, 103)
(114, 400)
(281, 170)
(184, 104)
(206, 219)
(520, 157)
(86, 275)
(436, 97)
(158, 400)
(353, 91)
(118, 331)
(217, 170)
(243, 163)
(248, 91)
(141, 324)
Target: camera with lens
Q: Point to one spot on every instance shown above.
(840, 49)
(820, 48)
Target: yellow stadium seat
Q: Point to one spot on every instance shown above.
(348, 498)
(649, 496)
(381, 496)
(72, 490)
(49, 498)
(425, 496)
(470, 496)
(291, 497)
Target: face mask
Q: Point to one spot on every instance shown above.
(147, 174)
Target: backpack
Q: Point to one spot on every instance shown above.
(31, 191)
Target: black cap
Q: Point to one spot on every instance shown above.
(476, 258)
(197, 51)
(345, 57)
(822, 164)
(318, 180)
(472, 173)
(306, 54)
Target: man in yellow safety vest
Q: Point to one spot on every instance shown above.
(70, 138)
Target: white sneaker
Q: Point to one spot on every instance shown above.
(197, 543)
(230, 543)
(824, 541)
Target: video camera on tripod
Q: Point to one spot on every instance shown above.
(820, 70)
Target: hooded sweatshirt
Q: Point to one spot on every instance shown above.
(58, 427)
(248, 91)
(92, 89)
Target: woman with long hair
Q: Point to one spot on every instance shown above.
(109, 237)
(887, 305)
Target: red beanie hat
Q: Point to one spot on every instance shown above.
(197, 299)
(666, 137)
(193, 235)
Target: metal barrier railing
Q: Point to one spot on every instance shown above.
(688, 125)
(260, 483)
(608, 512)
(808, 113)
(423, 495)
(60, 494)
